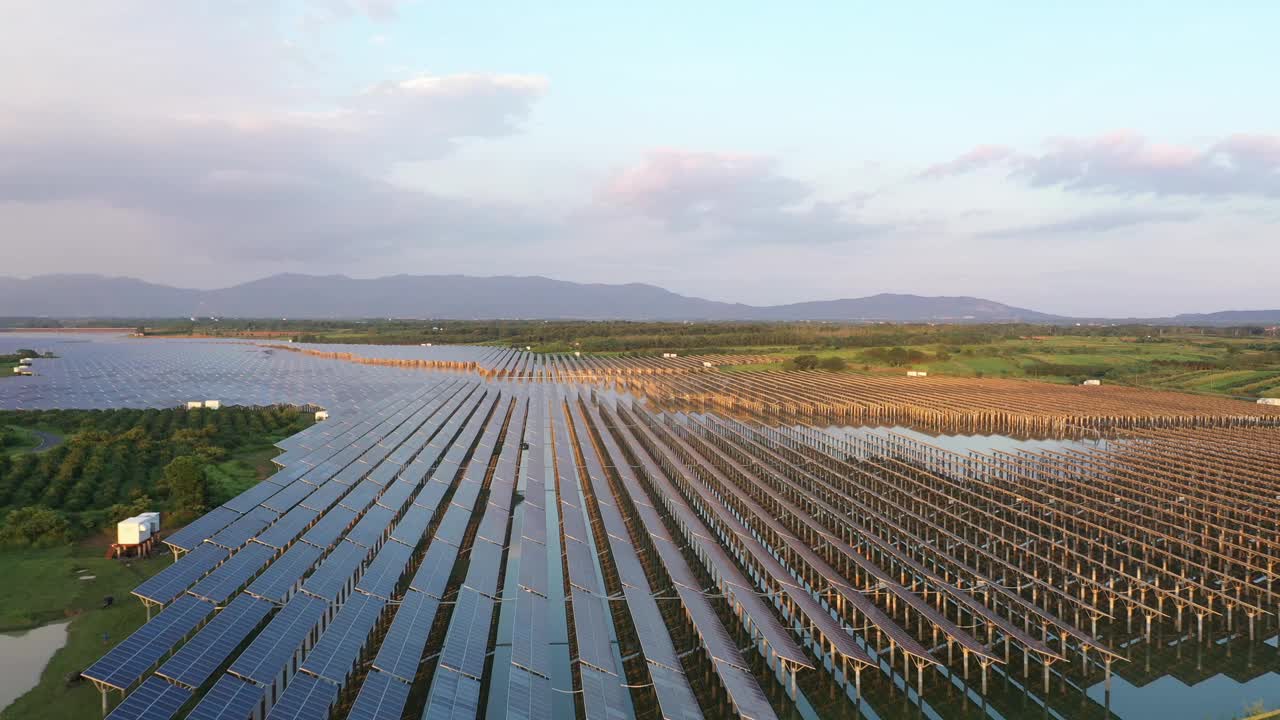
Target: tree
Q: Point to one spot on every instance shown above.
(35, 525)
(185, 481)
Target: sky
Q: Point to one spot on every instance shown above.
(1087, 158)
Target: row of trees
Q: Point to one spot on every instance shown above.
(114, 463)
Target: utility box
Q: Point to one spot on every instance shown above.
(322, 415)
(194, 404)
(1091, 382)
(213, 404)
(26, 361)
(1269, 401)
(917, 373)
(133, 531)
(707, 364)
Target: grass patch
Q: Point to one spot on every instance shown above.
(239, 473)
(23, 440)
(42, 586)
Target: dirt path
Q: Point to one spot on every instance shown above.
(48, 440)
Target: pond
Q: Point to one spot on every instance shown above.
(23, 656)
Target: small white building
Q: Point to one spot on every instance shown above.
(213, 404)
(322, 415)
(194, 404)
(133, 531)
(26, 361)
(1269, 401)
(707, 364)
(153, 519)
(24, 370)
(1091, 382)
(917, 373)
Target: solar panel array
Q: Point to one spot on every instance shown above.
(468, 549)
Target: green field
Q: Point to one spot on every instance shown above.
(43, 586)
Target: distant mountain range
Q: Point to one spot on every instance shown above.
(462, 297)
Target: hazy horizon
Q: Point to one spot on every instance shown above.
(1090, 160)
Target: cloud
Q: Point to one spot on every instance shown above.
(1092, 223)
(980, 157)
(1125, 163)
(743, 197)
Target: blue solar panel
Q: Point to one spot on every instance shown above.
(199, 658)
(172, 581)
(330, 527)
(335, 655)
(468, 636)
(127, 662)
(412, 525)
(288, 528)
(401, 650)
(372, 527)
(433, 573)
(431, 495)
(232, 575)
(273, 648)
(190, 537)
(529, 696)
(230, 699)
(453, 526)
(452, 696)
(306, 698)
(396, 495)
(381, 697)
(352, 474)
(243, 530)
(325, 496)
(383, 574)
(251, 498)
(485, 563)
(154, 699)
(336, 571)
(361, 496)
(291, 495)
(384, 473)
(279, 579)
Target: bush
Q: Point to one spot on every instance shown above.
(834, 363)
(804, 362)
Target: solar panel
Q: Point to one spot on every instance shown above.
(431, 495)
(453, 526)
(229, 699)
(372, 527)
(324, 496)
(243, 530)
(382, 697)
(232, 575)
(529, 696)
(289, 496)
(402, 647)
(280, 578)
(396, 495)
(334, 656)
(383, 574)
(172, 581)
(675, 696)
(191, 536)
(288, 528)
(603, 695)
(384, 473)
(201, 656)
(352, 473)
(466, 494)
(330, 527)
(493, 525)
(154, 699)
(306, 698)
(127, 662)
(485, 563)
(251, 498)
(273, 648)
(361, 496)
(468, 636)
(529, 643)
(433, 573)
(336, 571)
(452, 696)
(413, 524)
